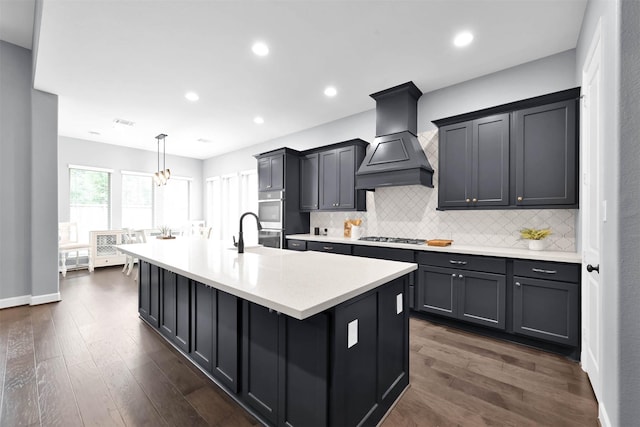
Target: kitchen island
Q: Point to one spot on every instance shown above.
(297, 338)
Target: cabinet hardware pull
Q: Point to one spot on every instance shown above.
(453, 275)
(327, 248)
(453, 261)
(468, 200)
(540, 270)
(519, 198)
(475, 200)
(460, 276)
(517, 283)
(295, 244)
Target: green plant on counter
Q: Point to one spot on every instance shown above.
(534, 233)
(165, 231)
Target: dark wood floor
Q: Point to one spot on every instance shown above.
(89, 360)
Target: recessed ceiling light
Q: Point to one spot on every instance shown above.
(191, 96)
(258, 120)
(260, 49)
(330, 91)
(463, 39)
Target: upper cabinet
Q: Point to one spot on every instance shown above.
(309, 181)
(474, 163)
(545, 154)
(271, 172)
(522, 154)
(327, 177)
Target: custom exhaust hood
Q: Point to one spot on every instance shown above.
(395, 157)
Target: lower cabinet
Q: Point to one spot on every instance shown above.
(149, 293)
(472, 296)
(334, 248)
(215, 331)
(546, 309)
(175, 320)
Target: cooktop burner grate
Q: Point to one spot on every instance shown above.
(393, 240)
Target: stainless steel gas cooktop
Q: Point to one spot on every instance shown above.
(393, 240)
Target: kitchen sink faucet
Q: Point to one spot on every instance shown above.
(240, 243)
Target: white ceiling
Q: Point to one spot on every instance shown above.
(135, 60)
(16, 22)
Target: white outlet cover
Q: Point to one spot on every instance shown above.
(352, 333)
(398, 303)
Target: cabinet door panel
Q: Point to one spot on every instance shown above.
(437, 291)
(183, 321)
(225, 340)
(202, 333)
(456, 151)
(154, 295)
(545, 143)
(144, 296)
(264, 173)
(329, 181)
(346, 177)
(482, 299)
(490, 172)
(260, 360)
(356, 369)
(277, 172)
(546, 309)
(393, 361)
(309, 174)
(303, 371)
(168, 304)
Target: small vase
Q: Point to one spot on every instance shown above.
(536, 245)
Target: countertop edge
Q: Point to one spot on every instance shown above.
(515, 253)
(297, 314)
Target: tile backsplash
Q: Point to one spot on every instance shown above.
(410, 211)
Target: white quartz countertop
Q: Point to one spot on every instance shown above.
(298, 284)
(557, 256)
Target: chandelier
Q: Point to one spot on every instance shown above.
(162, 176)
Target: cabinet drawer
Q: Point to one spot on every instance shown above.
(547, 270)
(297, 245)
(334, 248)
(391, 254)
(463, 262)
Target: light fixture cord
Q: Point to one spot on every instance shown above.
(164, 154)
(158, 154)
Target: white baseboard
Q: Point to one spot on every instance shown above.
(29, 300)
(603, 417)
(15, 301)
(44, 299)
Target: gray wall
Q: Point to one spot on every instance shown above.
(28, 213)
(607, 12)
(15, 170)
(629, 243)
(88, 153)
(550, 74)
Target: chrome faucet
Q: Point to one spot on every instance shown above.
(240, 243)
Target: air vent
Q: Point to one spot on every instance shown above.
(122, 123)
(207, 141)
(94, 132)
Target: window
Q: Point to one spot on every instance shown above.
(228, 197)
(137, 200)
(172, 203)
(90, 199)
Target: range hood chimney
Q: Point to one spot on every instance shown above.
(396, 157)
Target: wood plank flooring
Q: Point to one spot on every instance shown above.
(89, 360)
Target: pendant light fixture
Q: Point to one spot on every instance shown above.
(162, 176)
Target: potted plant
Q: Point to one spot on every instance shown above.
(535, 237)
(165, 231)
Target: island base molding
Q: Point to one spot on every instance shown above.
(345, 366)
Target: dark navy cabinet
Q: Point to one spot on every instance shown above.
(474, 163)
(149, 293)
(546, 301)
(334, 248)
(271, 172)
(545, 155)
(517, 155)
(309, 174)
(462, 293)
(174, 308)
(202, 320)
